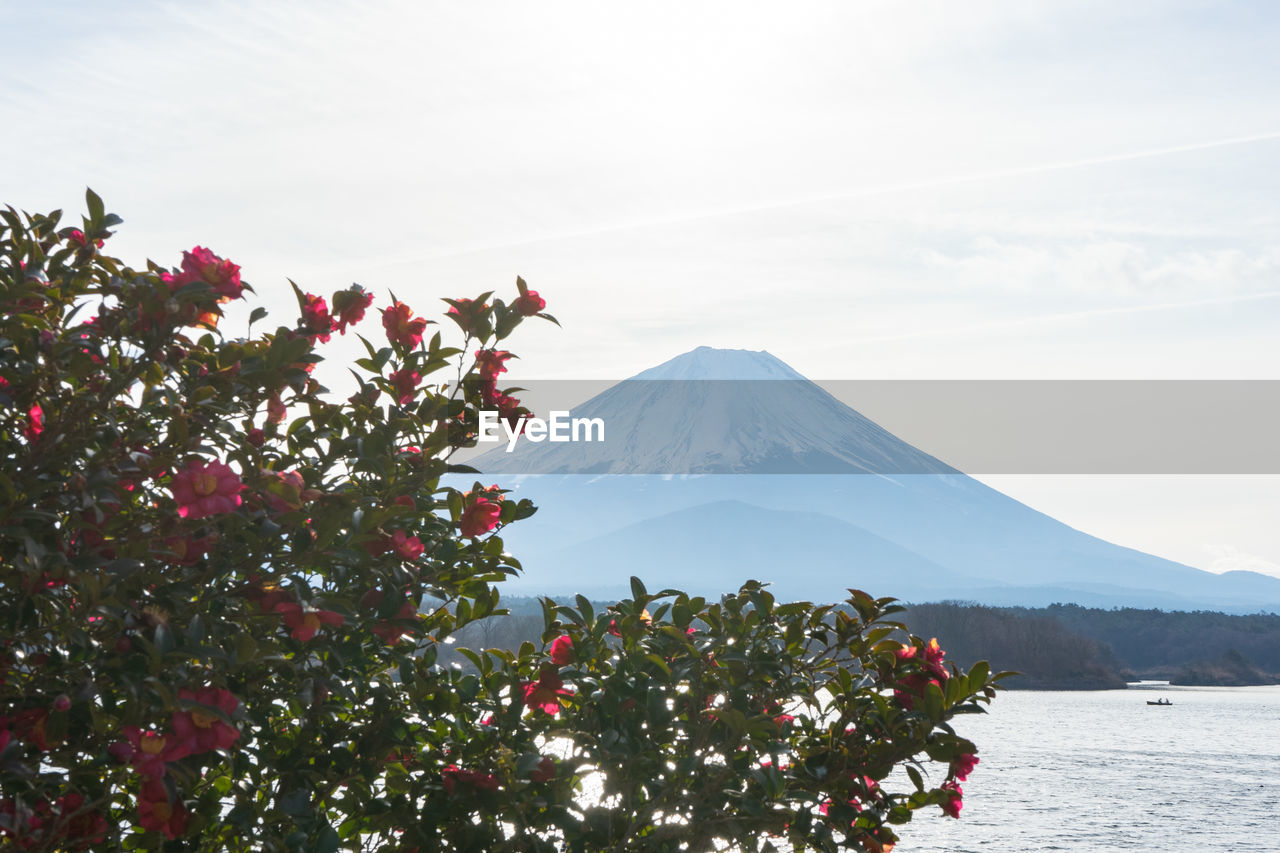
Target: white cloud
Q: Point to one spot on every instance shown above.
(1227, 558)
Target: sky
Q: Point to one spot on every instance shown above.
(868, 190)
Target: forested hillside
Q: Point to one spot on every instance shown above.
(1064, 646)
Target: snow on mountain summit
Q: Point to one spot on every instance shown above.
(712, 411)
(711, 363)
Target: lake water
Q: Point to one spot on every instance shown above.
(1079, 771)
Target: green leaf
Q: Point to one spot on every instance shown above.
(978, 674)
(94, 203)
(164, 639)
(328, 841)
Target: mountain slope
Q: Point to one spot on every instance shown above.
(719, 412)
(729, 459)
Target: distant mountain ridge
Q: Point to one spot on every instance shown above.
(763, 474)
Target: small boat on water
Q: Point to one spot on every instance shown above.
(1159, 702)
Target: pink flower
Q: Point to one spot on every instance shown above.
(152, 750)
(912, 687)
(529, 303)
(202, 489)
(562, 650)
(955, 802)
(186, 550)
(491, 362)
(223, 276)
(406, 382)
(409, 547)
(452, 776)
(160, 813)
(77, 236)
(285, 493)
(317, 322)
(401, 326)
(350, 306)
(962, 765)
(305, 624)
(544, 694)
(200, 729)
(479, 518)
(275, 409)
(933, 654)
(466, 313)
(387, 629)
(78, 827)
(35, 423)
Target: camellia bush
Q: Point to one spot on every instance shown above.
(222, 593)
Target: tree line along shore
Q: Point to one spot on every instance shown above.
(1060, 647)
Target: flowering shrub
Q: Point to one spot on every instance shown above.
(223, 594)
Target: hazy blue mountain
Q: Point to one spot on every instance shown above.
(708, 478)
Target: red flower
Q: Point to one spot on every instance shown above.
(317, 322)
(406, 382)
(35, 423)
(285, 493)
(911, 688)
(75, 825)
(545, 771)
(562, 650)
(200, 729)
(267, 597)
(186, 550)
(451, 776)
(152, 750)
(256, 437)
(350, 305)
(933, 654)
(160, 812)
(202, 265)
(389, 631)
(955, 802)
(402, 327)
(409, 547)
(491, 362)
(77, 236)
(305, 624)
(29, 725)
(275, 409)
(203, 489)
(544, 694)
(466, 313)
(479, 518)
(962, 765)
(529, 303)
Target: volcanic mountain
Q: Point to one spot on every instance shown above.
(725, 465)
